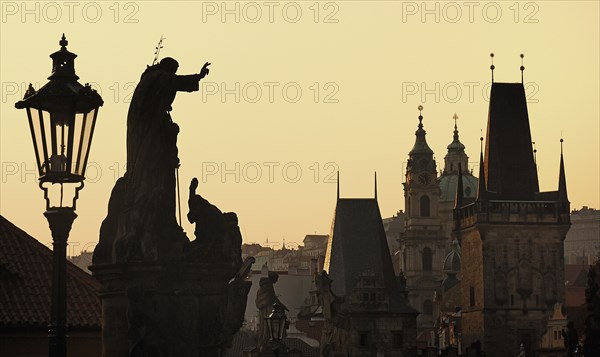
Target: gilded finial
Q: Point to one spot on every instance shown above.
(492, 67)
(455, 117)
(420, 107)
(481, 140)
(561, 143)
(522, 66)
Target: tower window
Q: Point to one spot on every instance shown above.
(427, 307)
(397, 339)
(427, 259)
(472, 296)
(424, 206)
(363, 340)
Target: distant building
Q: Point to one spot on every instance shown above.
(314, 245)
(363, 303)
(423, 234)
(394, 227)
(511, 237)
(25, 295)
(582, 244)
(82, 261)
(553, 343)
(297, 261)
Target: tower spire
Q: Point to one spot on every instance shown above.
(481, 191)
(562, 179)
(458, 202)
(492, 67)
(375, 185)
(338, 185)
(522, 68)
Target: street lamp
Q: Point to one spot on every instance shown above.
(276, 323)
(62, 115)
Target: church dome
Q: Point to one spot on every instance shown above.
(452, 261)
(448, 186)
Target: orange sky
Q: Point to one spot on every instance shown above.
(298, 90)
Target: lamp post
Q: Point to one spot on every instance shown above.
(276, 323)
(62, 115)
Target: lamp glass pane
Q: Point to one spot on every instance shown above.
(77, 143)
(47, 134)
(36, 136)
(281, 329)
(60, 121)
(274, 328)
(85, 137)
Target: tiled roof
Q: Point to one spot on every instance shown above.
(26, 285)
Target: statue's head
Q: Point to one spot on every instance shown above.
(273, 276)
(169, 64)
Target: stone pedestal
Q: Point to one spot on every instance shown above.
(177, 309)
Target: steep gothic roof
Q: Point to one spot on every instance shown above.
(358, 244)
(26, 285)
(509, 165)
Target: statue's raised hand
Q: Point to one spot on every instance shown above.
(194, 184)
(204, 71)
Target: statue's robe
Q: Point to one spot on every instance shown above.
(148, 228)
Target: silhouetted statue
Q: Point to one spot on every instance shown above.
(237, 297)
(148, 229)
(522, 351)
(218, 237)
(570, 338)
(324, 293)
(265, 298)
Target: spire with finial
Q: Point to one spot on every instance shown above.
(492, 67)
(481, 190)
(458, 202)
(562, 179)
(63, 43)
(522, 68)
(420, 148)
(456, 141)
(375, 185)
(338, 185)
(534, 154)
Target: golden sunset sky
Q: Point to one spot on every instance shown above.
(298, 90)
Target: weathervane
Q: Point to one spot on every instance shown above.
(157, 50)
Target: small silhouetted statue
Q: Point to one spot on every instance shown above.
(147, 227)
(218, 236)
(571, 339)
(522, 351)
(265, 298)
